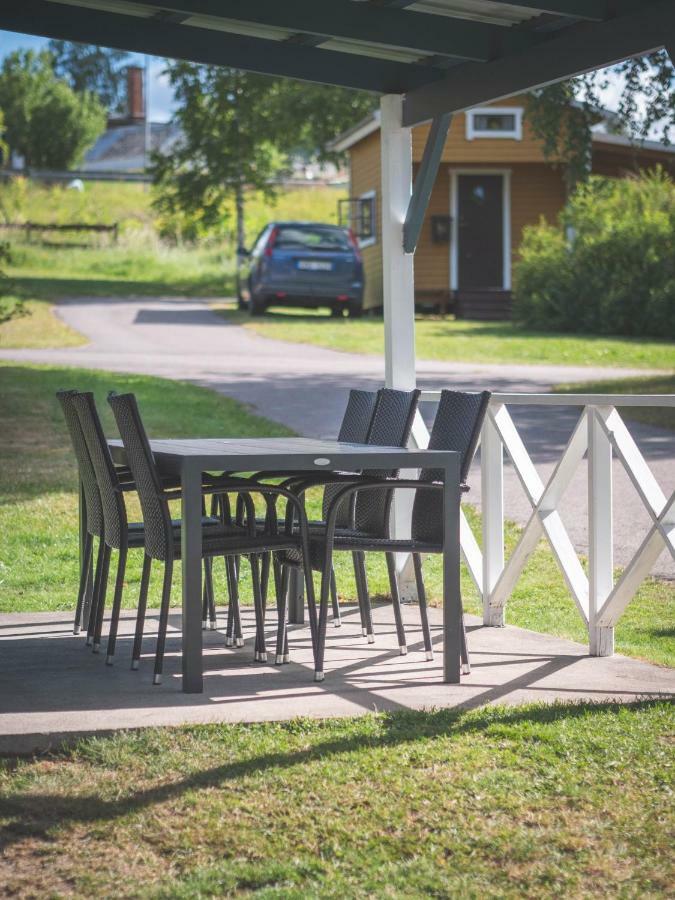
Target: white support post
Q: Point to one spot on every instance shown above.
(492, 493)
(600, 550)
(399, 293)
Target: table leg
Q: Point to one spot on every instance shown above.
(191, 553)
(296, 598)
(452, 607)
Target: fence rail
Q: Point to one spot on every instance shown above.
(598, 435)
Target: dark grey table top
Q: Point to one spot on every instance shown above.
(244, 454)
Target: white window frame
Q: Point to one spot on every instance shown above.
(515, 135)
(369, 242)
(506, 224)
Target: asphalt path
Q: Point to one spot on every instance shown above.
(305, 387)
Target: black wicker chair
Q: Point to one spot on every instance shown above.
(162, 542)
(93, 514)
(457, 427)
(119, 533)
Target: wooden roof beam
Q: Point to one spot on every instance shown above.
(580, 48)
(201, 45)
(346, 20)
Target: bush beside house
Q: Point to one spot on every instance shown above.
(609, 267)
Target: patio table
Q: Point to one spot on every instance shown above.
(189, 458)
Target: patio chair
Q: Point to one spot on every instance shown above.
(368, 513)
(457, 427)
(354, 428)
(93, 515)
(162, 539)
(119, 533)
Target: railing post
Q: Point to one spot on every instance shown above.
(600, 540)
(492, 494)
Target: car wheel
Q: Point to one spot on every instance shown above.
(257, 305)
(355, 309)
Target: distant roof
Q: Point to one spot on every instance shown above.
(122, 147)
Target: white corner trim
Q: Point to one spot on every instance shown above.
(506, 224)
(515, 135)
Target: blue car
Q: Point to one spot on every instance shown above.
(306, 264)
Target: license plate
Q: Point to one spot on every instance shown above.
(315, 265)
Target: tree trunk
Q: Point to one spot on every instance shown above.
(240, 229)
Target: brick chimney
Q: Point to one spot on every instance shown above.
(135, 104)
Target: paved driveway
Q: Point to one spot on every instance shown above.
(305, 388)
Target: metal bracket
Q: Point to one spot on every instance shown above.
(424, 182)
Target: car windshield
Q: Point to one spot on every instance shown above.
(324, 239)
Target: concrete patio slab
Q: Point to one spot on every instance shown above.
(52, 688)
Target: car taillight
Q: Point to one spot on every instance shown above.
(271, 240)
(355, 245)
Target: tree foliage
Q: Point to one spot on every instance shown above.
(98, 70)
(239, 129)
(561, 115)
(47, 122)
(617, 276)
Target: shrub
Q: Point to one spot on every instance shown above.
(614, 272)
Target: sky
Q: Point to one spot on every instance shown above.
(161, 95)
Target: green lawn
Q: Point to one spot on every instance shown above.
(534, 801)
(38, 512)
(460, 341)
(661, 416)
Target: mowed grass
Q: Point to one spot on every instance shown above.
(444, 338)
(38, 513)
(533, 801)
(661, 416)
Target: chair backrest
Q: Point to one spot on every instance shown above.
(457, 426)
(112, 499)
(353, 430)
(156, 518)
(391, 427)
(92, 498)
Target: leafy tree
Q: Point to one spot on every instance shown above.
(46, 121)
(98, 70)
(238, 130)
(562, 114)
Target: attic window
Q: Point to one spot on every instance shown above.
(495, 122)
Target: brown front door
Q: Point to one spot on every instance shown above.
(480, 232)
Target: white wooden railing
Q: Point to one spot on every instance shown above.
(599, 433)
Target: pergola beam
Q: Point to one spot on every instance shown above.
(578, 49)
(347, 20)
(424, 182)
(201, 45)
(594, 10)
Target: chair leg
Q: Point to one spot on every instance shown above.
(359, 560)
(282, 597)
(265, 575)
(396, 603)
(464, 649)
(140, 615)
(100, 601)
(117, 604)
(321, 631)
(424, 616)
(84, 577)
(236, 632)
(91, 624)
(209, 604)
(163, 621)
(260, 654)
(337, 621)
